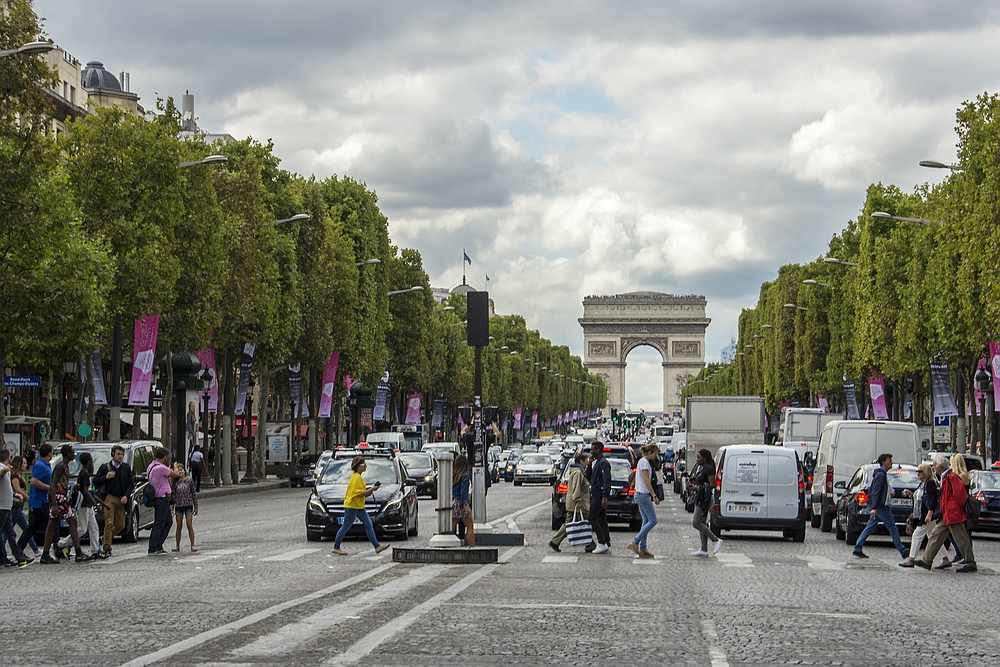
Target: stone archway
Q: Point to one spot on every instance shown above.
(615, 325)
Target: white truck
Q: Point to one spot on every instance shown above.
(801, 428)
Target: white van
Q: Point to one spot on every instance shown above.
(394, 441)
(845, 446)
(759, 487)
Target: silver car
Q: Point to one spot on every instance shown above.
(536, 468)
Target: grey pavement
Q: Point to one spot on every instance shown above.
(258, 593)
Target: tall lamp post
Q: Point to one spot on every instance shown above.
(249, 477)
(206, 383)
(984, 386)
(31, 48)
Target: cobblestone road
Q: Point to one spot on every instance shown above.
(257, 593)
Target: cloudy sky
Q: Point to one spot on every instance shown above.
(578, 147)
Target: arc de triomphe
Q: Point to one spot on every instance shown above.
(615, 325)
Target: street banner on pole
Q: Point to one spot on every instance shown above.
(944, 400)
(207, 359)
(246, 368)
(295, 391)
(534, 419)
(876, 385)
(517, 419)
(437, 417)
(852, 400)
(823, 403)
(143, 353)
(329, 378)
(995, 370)
(382, 395)
(413, 409)
(100, 396)
(980, 396)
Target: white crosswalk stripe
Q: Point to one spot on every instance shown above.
(207, 555)
(288, 555)
(729, 559)
(822, 563)
(561, 559)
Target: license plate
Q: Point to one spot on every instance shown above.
(901, 502)
(340, 521)
(742, 508)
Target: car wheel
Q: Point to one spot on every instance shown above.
(313, 537)
(852, 536)
(677, 487)
(635, 524)
(714, 526)
(131, 532)
(840, 530)
(516, 483)
(826, 522)
(413, 531)
(799, 534)
(814, 520)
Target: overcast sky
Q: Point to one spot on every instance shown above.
(576, 148)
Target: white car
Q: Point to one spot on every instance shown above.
(538, 468)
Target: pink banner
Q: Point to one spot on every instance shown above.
(823, 403)
(995, 369)
(413, 409)
(207, 359)
(559, 420)
(517, 419)
(534, 419)
(143, 353)
(329, 378)
(876, 385)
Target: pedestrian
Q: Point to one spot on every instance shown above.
(925, 499)
(114, 482)
(160, 476)
(185, 505)
(941, 469)
(577, 497)
(600, 492)
(953, 497)
(702, 482)
(17, 468)
(85, 507)
(197, 465)
(6, 525)
(38, 500)
(461, 500)
(192, 424)
(62, 507)
(645, 498)
(879, 493)
(354, 507)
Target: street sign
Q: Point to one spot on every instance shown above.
(942, 421)
(84, 430)
(22, 381)
(41, 430)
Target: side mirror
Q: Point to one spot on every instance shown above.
(840, 485)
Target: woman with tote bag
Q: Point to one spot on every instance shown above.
(577, 499)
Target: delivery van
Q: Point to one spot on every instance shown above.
(394, 441)
(845, 446)
(759, 487)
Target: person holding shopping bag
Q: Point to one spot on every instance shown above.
(577, 497)
(645, 498)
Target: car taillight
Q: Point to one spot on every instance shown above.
(562, 488)
(862, 498)
(829, 479)
(718, 478)
(981, 497)
(629, 490)
(802, 482)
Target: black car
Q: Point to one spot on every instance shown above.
(986, 489)
(421, 471)
(511, 465)
(392, 508)
(305, 471)
(852, 513)
(621, 504)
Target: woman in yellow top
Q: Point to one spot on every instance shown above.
(354, 507)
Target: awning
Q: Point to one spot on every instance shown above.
(25, 420)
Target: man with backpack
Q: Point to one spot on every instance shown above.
(160, 476)
(114, 488)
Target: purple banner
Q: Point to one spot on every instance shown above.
(143, 353)
(995, 369)
(876, 386)
(823, 403)
(329, 378)
(413, 409)
(534, 419)
(207, 359)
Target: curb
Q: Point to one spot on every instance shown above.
(239, 489)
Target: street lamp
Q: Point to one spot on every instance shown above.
(834, 260)
(211, 159)
(934, 164)
(249, 475)
(889, 216)
(295, 218)
(415, 288)
(206, 382)
(458, 324)
(795, 305)
(31, 48)
(810, 281)
(446, 309)
(373, 260)
(766, 327)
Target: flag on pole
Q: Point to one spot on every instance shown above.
(466, 257)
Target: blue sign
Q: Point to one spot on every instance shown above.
(22, 381)
(942, 421)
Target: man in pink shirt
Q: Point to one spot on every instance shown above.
(159, 477)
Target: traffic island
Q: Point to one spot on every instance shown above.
(450, 556)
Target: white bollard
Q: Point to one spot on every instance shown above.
(444, 537)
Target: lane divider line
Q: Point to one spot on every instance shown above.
(715, 654)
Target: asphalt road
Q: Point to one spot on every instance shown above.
(257, 593)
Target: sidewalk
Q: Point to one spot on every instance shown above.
(209, 491)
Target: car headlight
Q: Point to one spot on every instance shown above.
(395, 504)
(316, 505)
(519, 471)
(428, 478)
(548, 471)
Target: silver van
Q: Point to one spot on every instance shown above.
(845, 446)
(759, 487)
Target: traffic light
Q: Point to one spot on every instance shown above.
(614, 415)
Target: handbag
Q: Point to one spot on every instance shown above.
(972, 509)
(912, 523)
(578, 532)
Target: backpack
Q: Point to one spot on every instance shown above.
(148, 496)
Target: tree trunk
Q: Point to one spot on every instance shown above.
(167, 411)
(261, 441)
(3, 369)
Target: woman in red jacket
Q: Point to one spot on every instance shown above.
(954, 493)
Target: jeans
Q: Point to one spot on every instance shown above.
(7, 536)
(39, 520)
(884, 516)
(698, 522)
(648, 512)
(161, 524)
(598, 517)
(350, 514)
(17, 516)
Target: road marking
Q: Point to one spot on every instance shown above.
(553, 605)
(560, 559)
(520, 512)
(645, 561)
(370, 642)
(716, 654)
(292, 636)
(176, 649)
(289, 555)
(734, 560)
(247, 525)
(118, 559)
(208, 555)
(822, 563)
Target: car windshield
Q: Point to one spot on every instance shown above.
(903, 477)
(339, 472)
(416, 460)
(620, 470)
(536, 460)
(988, 480)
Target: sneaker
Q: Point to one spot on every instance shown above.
(382, 547)
(968, 567)
(37, 553)
(717, 548)
(920, 563)
(103, 555)
(958, 561)
(25, 562)
(48, 560)
(590, 547)
(555, 547)
(859, 554)
(633, 547)
(83, 558)
(602, 549)
(338, 552)
(156, 552)
(700, 553)
(62, 553)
